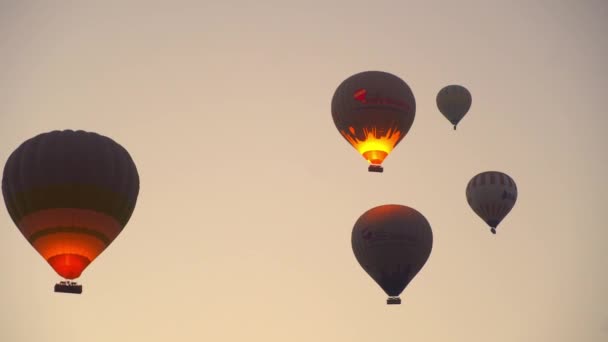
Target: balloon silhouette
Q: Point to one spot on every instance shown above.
(373, 111)
(492, 195)
(392, 243)
(454, 101)
(70, 193)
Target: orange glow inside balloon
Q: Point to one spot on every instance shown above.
(69, 266)
(69, 239)
(69, 253)
(374, 148)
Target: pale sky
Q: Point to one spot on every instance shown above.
(249, 193)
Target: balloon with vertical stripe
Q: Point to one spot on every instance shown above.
(70, 193)
(492, 195)
(392, 243)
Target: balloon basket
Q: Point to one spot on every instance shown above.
(68, 287)
(393, 301)
(375, 168)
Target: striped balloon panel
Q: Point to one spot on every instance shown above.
(69, 239)
(70, 169)
(491, 195)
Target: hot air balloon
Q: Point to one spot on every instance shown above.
(70, 193)
(392, 243)
(492, 195)
(373, 111)
(454, 101)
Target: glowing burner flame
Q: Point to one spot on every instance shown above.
(373, 148)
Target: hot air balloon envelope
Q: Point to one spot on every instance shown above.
(492, 195)
(373, 111)
(70, 193)
(392, 243)
(454, 101)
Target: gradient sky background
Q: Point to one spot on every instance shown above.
(249, 193)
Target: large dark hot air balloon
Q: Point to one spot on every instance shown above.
(454, 101)
(70, 193)
(392, 243)
(492, 195)
(373, 111)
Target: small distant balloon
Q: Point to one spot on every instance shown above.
(373, 111)
(492, 195)
(392, 243)
(454, 101)
(70, 193)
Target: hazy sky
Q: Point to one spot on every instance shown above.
(249, 193)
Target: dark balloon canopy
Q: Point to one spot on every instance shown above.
(492, 195)
(392, 243)
(454, 101)
(373, 110)
(70, 193)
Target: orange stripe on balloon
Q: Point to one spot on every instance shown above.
(68, 238)
(69, 217)
(69, 243)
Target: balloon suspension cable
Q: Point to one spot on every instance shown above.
(375, 168)
(493, 229)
